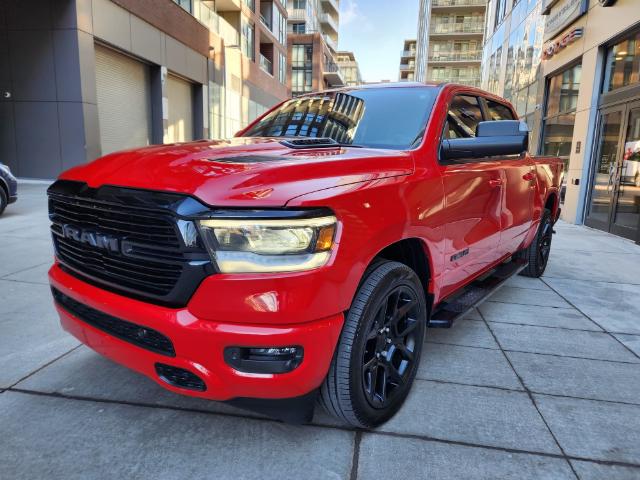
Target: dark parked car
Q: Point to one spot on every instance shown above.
(8, 187)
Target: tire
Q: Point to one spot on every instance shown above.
(3, 200)
(537, 254)
(378, 353)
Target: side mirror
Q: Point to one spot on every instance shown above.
(494, 138)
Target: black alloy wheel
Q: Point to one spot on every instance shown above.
(377, 357)
(537, 254)
(390, 345)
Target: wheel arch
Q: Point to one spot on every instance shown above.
(552, 203)
(413, 252)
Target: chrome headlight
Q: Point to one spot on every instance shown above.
(269, 245)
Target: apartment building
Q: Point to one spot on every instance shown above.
(312, 43)
(350, 69)
(408, 61)
(84, 78)
(450, 39)
(572, 70)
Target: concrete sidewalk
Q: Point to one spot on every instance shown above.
(543, 382)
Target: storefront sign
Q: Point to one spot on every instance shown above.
(546, 6)
(551, 48)
(563, 14)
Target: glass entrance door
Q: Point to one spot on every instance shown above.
(603, 184)
(615, 191)
(626, 214)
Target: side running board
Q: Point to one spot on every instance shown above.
(469, 297)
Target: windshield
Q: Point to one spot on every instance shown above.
(389, 118)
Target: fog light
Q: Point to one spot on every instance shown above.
(264, 360)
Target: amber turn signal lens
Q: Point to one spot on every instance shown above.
(325, 238)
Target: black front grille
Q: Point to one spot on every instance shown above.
(179, 377)
(138, 335)
(158, 255)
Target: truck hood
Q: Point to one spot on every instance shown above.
(242, 172)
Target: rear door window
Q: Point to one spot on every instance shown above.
(463, 117)
(499, 111)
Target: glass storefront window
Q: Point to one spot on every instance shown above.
(563, 91)
(558, 134)
(562, 99)
(623, 64)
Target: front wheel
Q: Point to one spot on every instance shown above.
(537, 254)
(378, 354)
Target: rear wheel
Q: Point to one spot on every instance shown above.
(378, 354)
(538, 252)
(3, 200)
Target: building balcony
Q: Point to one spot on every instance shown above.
(226, 5)
(266, 22)
(331, 43)
(408, 53)
(229, 34)
(408, 68)
(475, 28)
(331, 5)
(266, 64)
(297, 15)
(436, 4)
(328, 22)
(348, 64)
(471, 80)
(207, 16)
(440, 57)
(333, 75)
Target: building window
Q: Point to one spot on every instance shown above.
(282, 69)
(251, 4)
(501, 11)
(299, 27)
(299, 4)
(282, 30)
(301, 69)
(186, 4)
(248, 40)
(560, 112)
(623, 64)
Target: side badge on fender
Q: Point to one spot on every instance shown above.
(459, 255)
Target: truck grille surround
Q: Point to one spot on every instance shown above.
(138, 243)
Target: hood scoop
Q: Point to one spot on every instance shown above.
(300, 143)
(247, 159)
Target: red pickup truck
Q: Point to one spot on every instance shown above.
(303, 260)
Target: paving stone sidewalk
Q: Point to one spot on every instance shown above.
(541, 382)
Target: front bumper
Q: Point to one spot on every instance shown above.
(199, 344)
(12, 199)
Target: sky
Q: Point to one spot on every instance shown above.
(374, 30)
